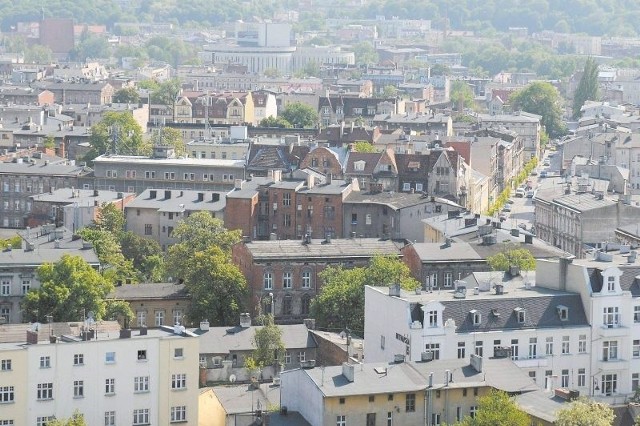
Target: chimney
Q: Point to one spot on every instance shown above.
(237, 184)
(245, 320)
(311, 181)
(204, 325)
(167, 194)
(348, 371)
(310, 323)
(215, 197)
(152, 194)
(200, 196)
(562, 270)
(95, 193)
(32, 337)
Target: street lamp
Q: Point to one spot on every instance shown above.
(271, 307)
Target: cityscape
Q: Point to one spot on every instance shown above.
(319, 213)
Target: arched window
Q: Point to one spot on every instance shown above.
(287, 305)
(305, 304)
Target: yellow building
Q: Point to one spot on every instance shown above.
(13, 386)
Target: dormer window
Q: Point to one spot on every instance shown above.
(476, 317)
(432, 318)
(611, 283)
(359, 165)
(563, 313)
(520, 315)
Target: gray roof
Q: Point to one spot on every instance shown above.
(201, 162)
(181, 200)
(318, 249)
(541, 404)
(334, 188)
(224, 340)
(455, 252)
(236, 399)
(395, 200)
(17, 333)
(81, 197)
(57, 169)
(146, 291)
(35, 258)
(249, 187)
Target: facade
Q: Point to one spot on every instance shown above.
(374, 170)
(99, 93)
(526, 125)
(155, 213)
(283, 275)
(112, 379)
(154, 304)
(357, 110)
(25, 96)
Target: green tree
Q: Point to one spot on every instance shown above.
(146, 256)
(110, 219)
(300, 115)
(70, 288)
(76, 419)
(13, 242)
(512, 257)
(389, 91)
(91, 46)
(49, 142)
(115, 267)
(170, 137)
(195, 234)
(340, 303)
(311, 69)
(461, 95)
(497, 408)
(272, 121)
(269, 348)
(216, 286)
(166, 93)
(365, 53)
(38, 54)
(587, 89)
(117, 133)
(119, 310)
(543, 99)
(126, 95)
(585, 412)
(363, 146)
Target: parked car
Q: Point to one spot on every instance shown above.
(520, 193)
(503, 217)
(507, 208)
(543, 174)
(546, 162)
(534, 173)
(530, 193)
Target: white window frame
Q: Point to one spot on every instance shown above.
(178, 381)
(141, 384)
(179, 413)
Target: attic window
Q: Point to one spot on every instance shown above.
(520, 315)
(563, 313)
(476, 317)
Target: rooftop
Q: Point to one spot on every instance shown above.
(80, 197)
(203, 162)
(147, 291)
(321, 249)
(179, 200)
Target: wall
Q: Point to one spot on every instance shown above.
(210, 410)
(299, 393)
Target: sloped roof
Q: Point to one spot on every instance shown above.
(224, 340)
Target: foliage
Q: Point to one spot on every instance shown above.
(365, 53)
(217, 287)
(389, 91)
(311, 69)
(91, 46)
(117, 132)
(49, 142)
(38, 54)
(126, 95)
(171, 50)
(587, 89)
(585, 411)
(111, 219)
(512, 257)
(497, 408)
(146, 256)
(70, 288)
(506, 193)
(170, 137)
(300, 115)
(272, 121)
(107, 247)
(13, 242)
(272, 73)
(268, 342)
(461, 95)
(340, 303)
(119, 310)
(543, 99)
(166, 93)
(76, 419)
(363, 146)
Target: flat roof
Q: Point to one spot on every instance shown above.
(129, 159)
(337, 248)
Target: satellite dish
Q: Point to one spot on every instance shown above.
(35, 326)
(232, 378)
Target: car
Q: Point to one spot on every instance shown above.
(507, 208)
(510, 201)
(546, 162)
(543, 174)
(530, 193)
(520, 193)
(534, 173)
(503, 217)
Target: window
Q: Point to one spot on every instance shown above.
(389, 418)
(636, 313)
(565, 345)
(45, 362)
(45, 391)
(287, 357)
(78, 359)
(514, 349)
(406, 186)
(548, 346)
(472, 411)
(268, 280)
(372, 398)
(410, 403)
(109, 418)
(478, 348)
(110, 357)
(432, 317)
(141, 384)
(305, 304)
(178, 353)
(141, 317)
(582, 377)
(159, 318)
(582, 344)
(306, 279)
(520, 315)
(610, 316)
(78, 388)
(177, 316)
(149, 174)
(341, 420)
(636, 348)
(43, 420)
(179, 413)
(609, 350)
(434, 348)
(476, 317)
(110, 386)
(548, 377)
(635, 381)
(286, 199)
(461, 350)
(533, 347)
(448, 279)
(286, 279)
(5, 365)
(148, 229)
(178, 381)
(609, 384)
(367, 219)
(6, 394)
(142, 355)
(302, 356)
(141, 416)
(532, 375)
(564, 377)
(611, 283)
(26, 286)
(5, 286)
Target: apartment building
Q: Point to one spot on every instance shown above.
(112, 377)
(154, 304)
(79, 92)
(526, 125)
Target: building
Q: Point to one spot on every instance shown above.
(111, 376)
(154, 304)
(355, 110)
(407, 393)
(99, 93)
(373, 170)
(25, 96)
(57, 35)
(526, 125)
(155, 213)
(283, 275)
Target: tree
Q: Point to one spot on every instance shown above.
(497, 408)
(119, 310)
(300, 115)
(91, 46)
(126, 95)
(115, 267)
(543, 99)
(585, 412)
(365, 53)
(110, 219)
(268, 342)
(340, 303)
(216, 286)
(587, 87)
(49, 142)
(166, 93)
(461, 95)
(169, 136)
(77, 419)
(145, 255)
(389, 91)
(70, 288)
(272, 121)
(38, 54)
(118, 133)
(363, 146)
(521, 258)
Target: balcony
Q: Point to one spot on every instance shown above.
(531, 362)
(613, 365)
(613, 330)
